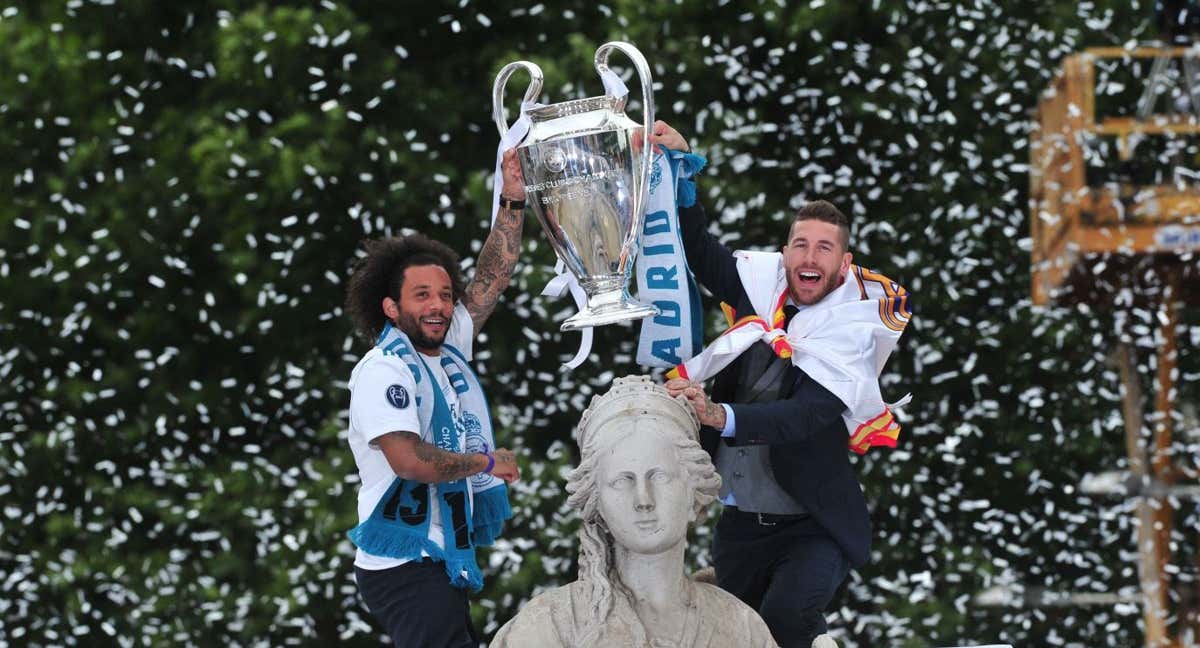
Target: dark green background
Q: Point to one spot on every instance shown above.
(184, 186)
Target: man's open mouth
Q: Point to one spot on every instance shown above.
(436, 322)
(808, 277)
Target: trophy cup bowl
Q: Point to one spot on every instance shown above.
(586, 169)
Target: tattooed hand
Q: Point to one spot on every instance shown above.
(514, 183)
(506, 465)
(710, 413)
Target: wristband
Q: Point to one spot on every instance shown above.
(491, 462)
(506, 203)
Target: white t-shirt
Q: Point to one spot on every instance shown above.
(383, 400)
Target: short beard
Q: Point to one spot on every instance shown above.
(831, 283)
(411, 326)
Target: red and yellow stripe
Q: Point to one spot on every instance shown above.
(782, 347)
(883, 430)
(779, 344)
(730, 314)
(778, 315)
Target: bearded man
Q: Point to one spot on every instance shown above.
(795, 520)
(432, 482)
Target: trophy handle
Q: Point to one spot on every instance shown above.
(643, 70)
(531, 93)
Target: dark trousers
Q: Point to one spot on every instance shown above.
(417, 606)
(788, 572)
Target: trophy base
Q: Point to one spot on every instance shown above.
(608, 308)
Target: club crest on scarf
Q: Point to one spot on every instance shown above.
(656, 176)
(473, 432)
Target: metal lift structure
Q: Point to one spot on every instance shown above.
(1129, 240)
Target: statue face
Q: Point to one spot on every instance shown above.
(645, 496)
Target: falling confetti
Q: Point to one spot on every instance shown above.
(185, 188)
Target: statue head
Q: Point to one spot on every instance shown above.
(642, 478)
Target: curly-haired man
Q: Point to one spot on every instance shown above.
(432, 482)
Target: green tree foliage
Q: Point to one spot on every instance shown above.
(186, 185)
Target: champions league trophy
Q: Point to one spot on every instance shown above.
(587, 182)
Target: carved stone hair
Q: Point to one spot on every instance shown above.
(629, 397)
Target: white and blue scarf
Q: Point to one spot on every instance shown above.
(399, 525)
(663, 276)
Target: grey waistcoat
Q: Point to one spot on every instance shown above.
(746, 470)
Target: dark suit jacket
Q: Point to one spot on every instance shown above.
(809, 447)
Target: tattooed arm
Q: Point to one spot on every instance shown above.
(412, 458)
(494, 268)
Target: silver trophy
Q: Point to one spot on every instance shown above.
(587, 182)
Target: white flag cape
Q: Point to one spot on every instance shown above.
(842, 342)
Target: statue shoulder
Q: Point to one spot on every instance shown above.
(538, 621)
(713, 595)
(740, 621)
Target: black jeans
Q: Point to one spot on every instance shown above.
(417, 606)
(788, 572)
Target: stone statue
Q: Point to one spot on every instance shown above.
(641, 480)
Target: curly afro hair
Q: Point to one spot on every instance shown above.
(381, 273)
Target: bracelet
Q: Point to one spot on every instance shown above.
(491, 462)
(506, 203)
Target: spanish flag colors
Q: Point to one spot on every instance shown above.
(842, 342)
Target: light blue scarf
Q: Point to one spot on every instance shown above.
(663, 275)
(399, 525)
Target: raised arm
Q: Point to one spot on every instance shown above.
(711, 262)
(494, 267)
